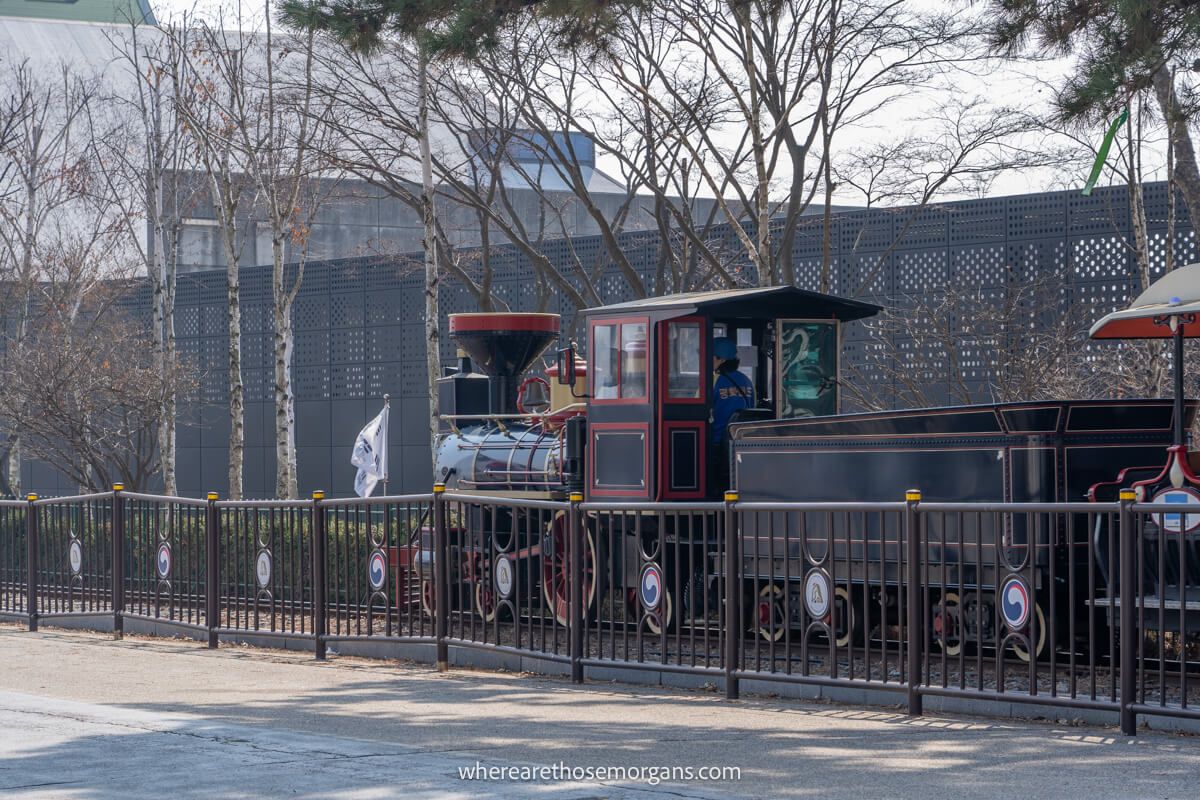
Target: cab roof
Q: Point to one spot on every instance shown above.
(770, 302)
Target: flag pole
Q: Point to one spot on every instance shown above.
(387, 403)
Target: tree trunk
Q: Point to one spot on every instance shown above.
(762, 221)
(223, 191)
(826, 282)
(1137, 211)
(1187, 173)
(237, 406)
(285, 446)
(14, 465)
(30, 237)
(167, 443)
(161, 269)
(1154, 361)
(169, 359)
(433, 356)
(156, 269)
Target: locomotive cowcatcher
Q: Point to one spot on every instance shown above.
(634, 425)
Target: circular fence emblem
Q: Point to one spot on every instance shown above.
(504, 575)
(262, 568)
(650, 587)
(817, 594)
(75, 556)
(1014, 603)
(1187, 500)
(377, 570)
(164, 560)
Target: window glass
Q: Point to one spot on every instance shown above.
(808, 368)
(604, 364)
(633, 364)
(683, 360)
(747, 354)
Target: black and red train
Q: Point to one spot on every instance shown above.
(633, 425)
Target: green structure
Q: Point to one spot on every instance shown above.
(104, 11)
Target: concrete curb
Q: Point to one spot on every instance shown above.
(466, 656)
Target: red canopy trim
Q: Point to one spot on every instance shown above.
(1116, 327)
(481, 322)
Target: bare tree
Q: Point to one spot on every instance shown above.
(724, 124)
(47, 175)
(217, 76)
(384, 124)
(14, 110)
(557, 110)
(380, 134)
(87, 393)
(262, 87)
(142, 170)
(788, 80)
(67, 247)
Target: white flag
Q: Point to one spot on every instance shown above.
(370, 454)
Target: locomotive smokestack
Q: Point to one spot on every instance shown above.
(502, 346)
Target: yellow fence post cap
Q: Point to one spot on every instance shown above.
(118, 487)
(576, 497)
(439, 488)
(319, 494)
(1128, 494)
(213, 496)
(913, 496)
(31, 497)
(731, 497)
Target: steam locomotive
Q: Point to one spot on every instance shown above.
(633, 425)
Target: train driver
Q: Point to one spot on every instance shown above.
(731, 392)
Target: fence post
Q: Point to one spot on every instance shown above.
(913, 595)
(118, 560)
(733, 596)
(575, 618)
(441, 576)
(212, 570)
(1129, 598)
(31, 561)
(320, 589)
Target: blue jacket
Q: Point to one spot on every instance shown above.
(731, 391)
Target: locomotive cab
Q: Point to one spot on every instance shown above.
(650, 380)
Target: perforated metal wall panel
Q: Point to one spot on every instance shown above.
(920, 270)
(978, 221)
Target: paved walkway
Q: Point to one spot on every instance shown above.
(83, 716)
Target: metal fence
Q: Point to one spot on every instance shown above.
(1078, 605)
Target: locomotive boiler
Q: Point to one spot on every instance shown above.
(496, 436)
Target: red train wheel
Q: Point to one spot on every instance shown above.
(486, 604)
(948, 627)
(771, 613)
(555, 586)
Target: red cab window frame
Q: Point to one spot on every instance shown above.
(618, 322)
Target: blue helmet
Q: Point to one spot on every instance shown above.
(724, 348)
